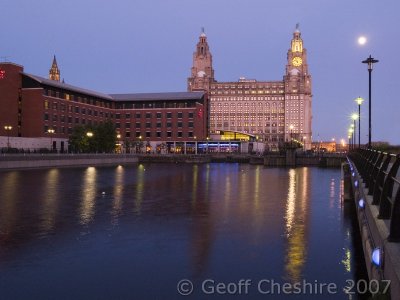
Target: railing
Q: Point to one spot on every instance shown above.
(380, 173)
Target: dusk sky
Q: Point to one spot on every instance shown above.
(134, 46)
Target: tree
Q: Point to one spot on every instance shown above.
(102, 140)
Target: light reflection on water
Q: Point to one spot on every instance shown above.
(115, 227)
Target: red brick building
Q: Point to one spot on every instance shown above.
(32, 105)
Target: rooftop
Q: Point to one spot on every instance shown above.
(158, 96)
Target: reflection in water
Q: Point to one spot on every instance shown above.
(347, 260)
(202, 229)
(222, 221)
(50, 200)
(9, 188)
(118, 194)
(139, 188)
(297, 212)
(88, 195)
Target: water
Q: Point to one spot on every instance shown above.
(134, 232)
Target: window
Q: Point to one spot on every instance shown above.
(180, 115)
(138, 116)
(158, 115)
(127, 116)
(137, 124)
(138, 134)
(190, 134)
(158, 134)
(77, 109)
(190, 124)
(117, 125)
(190, 115)
(148, 134)
(118, 116)
(179, 124)
(169, 134)
(158, 125)
(128, 134)
(127, 125)
(46, 116)
(148, 125)
(69, 119)
(46, 104)
(169, 124)
(180, 134)
(148, 115)
(169, 115)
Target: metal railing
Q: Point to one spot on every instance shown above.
(380, 173)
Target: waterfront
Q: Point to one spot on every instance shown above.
(134, 232)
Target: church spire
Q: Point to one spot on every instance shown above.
(54, 72)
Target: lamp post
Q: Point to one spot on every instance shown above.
(51, 131)
(291, 135)
(8, 129)
(353, 133)
(370, 61)
(349, 137)
(119, 143)
(359, 101)
(89, 134)
(354, 117)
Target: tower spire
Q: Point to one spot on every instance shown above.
(54, 72)
(202, 71)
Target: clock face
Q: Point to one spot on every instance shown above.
(297, 61)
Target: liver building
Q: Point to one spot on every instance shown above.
(273, 112)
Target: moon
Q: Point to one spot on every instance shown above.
(362, 40)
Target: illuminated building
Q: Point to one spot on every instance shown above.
(35, 106)
(273, 111)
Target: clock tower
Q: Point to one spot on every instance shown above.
(202, 73)
(298, 93)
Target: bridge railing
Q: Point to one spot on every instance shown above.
(380, 173)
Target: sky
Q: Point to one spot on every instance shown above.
(129, 46)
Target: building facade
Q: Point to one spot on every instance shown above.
(271, 111)
(32, 105)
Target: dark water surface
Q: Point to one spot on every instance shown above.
(134, 232)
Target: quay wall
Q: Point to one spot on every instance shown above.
(374, 231)
(18, 161)
(62, 160)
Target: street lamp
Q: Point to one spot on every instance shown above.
(359, 101)
(8, 129)
(349, 137)
(51, 131)
(89, 134)
(118, 143)
(354, 117)
(351, 132)
(291, 134)
(370, 61)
